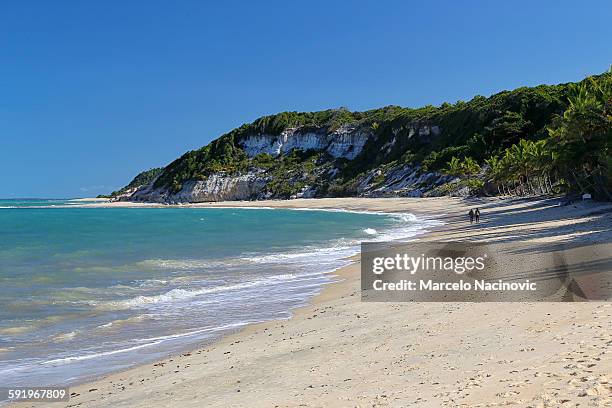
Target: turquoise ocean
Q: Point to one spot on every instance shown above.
(85, 291)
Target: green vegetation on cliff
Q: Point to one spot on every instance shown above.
(532, 139)
(141, 179)
(225, 154)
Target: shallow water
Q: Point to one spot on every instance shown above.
(83, 285)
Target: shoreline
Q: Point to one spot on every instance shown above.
(335, 275)
(332, 273)
(150, 384)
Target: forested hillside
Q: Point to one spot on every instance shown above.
(531, 140)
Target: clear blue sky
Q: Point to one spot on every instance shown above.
(92, 92)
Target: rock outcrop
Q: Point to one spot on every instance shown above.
(345, 142)
(400, 180)
(217, 187)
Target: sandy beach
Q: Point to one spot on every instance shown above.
(341, 352)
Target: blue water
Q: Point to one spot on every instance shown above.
(81, 286)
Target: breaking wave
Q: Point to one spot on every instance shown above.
(180, 294)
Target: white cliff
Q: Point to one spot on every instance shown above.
(346, 142)
(217, 187)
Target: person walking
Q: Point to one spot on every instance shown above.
(471, 214)
(477, 215)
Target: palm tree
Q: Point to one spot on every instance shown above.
(582, 136)
(454, 167)
(470, 167)
(495, 172)
(541, 160)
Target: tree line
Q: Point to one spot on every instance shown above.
(573, 158)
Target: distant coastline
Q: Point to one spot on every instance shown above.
(99, 199)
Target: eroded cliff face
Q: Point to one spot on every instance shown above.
(400, 180)
(217, 187)
(346, 142)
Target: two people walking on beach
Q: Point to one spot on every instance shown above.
(474, 215)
